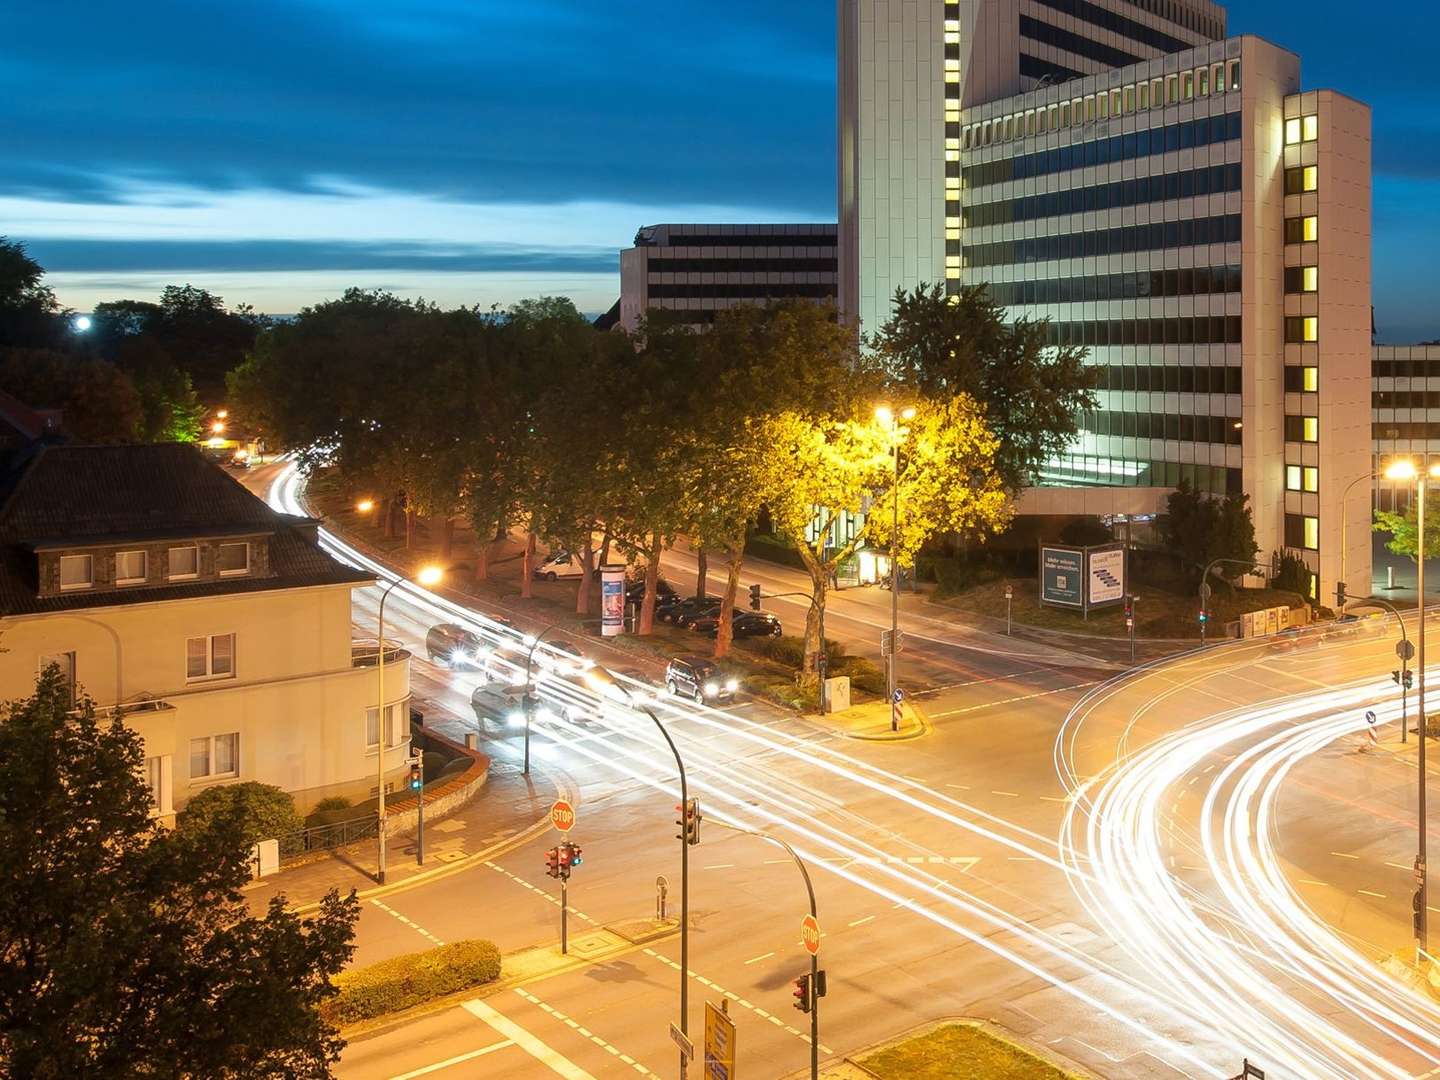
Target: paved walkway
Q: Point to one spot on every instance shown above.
(506, 809)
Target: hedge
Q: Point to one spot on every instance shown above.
(265, 811)
(406, 981)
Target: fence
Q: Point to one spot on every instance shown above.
(326, 837)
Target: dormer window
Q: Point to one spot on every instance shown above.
(130, 567)
(232, 559)
(77, 571)
(184, 563)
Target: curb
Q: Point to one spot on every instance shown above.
(923, 727)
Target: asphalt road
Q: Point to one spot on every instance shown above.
(1085, 864)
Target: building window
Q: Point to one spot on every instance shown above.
(1204, 83)
(184, 562)
(1143, 95)
(1312, 534)
(1302, 230)
(215, 756)
(1302, 279)
(65, 662)
(1311, 125)
(1292, 477)
(1234, 70)
(1292, 131)
(232, 559)
(1310, 380)
(211, 657)
(1217, 78)
(1311, 478)
(1302, 328)
(77, 571)
(394, 731)
(1187, 85)
(1298, 181)
(157, 779)
(130, 567)
(1310, 429)
(1129, 103)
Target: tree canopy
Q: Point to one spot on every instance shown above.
(1201, 528)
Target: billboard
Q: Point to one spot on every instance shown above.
(1062, 576)
(719, 1044)
(1106, 576)
(612, 601)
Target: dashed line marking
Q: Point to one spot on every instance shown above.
(1054, 798)
(412, 925)
(1007, 794)
(862, 922)
(1343, 855)
(756, 1009)
(1311, 881)
(719, 866)
(757, 959)
(1011, 701)
(539, 892)
(581, 1029)
(1399, 866)
(1367, 892)
(959, 787)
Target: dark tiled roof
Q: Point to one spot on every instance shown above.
(112, 494)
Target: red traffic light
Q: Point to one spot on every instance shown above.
(801, 993)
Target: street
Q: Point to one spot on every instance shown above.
(1114, 867)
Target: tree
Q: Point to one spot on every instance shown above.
(264, 811)
(127, 947)
(1032, 393)
(30, 316)
(99, 403)
(1200, 528)
(1404, 530)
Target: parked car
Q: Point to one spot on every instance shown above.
(743, 624)
(697, 678)
(456, 647)
(664, 593)
(560, 564)
(692, 608)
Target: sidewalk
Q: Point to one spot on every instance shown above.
(507, 810)
(870, 722)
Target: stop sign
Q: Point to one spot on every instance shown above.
(810, 934)
(562, 816)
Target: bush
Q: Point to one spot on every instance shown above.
(265, 811)
(955, 575)
(406, 981)
(434, 762)
(864, 674)
(790, 651)
(331, 802)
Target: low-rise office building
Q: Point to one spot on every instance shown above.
(217, 627)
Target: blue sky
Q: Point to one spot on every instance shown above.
(482, 150)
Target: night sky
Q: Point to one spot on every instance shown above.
(477, 151)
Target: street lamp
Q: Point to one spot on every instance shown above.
(603, 682)
(529, 702)
(364, 506)
(428, 575)
(218, 426)
(1406, 470)
(886, 416)
(1344, 528)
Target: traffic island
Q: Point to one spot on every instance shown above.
(872, 721)
(953, 1049)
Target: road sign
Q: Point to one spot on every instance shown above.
(890, 644)
(1370, 716)
(898, 696)
(1405, 649)
(1419, 871)
(810, 934)
(680, 1039)
(562, 815)
(719, 1062)
(1009, 592)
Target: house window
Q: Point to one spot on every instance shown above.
(394, 731)
(65, 661)
(157, 779)
(215, 756)
(210, 657)
(184, 562)
(77, 571)
(232, 559)
(130, 567)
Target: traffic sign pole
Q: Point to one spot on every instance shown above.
(810, 937)
(564, 917)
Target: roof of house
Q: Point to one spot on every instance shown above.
(78, 495)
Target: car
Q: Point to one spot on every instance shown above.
(560, 565)
(504, 703)
(742, 624)
(700, 679)
(557, 656)
(692, 608)
(664, 592)
(456, 647)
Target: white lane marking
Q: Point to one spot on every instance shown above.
(542, 1053)
(862, 922)
(1011, 701)
(540, 892)
(582, 1030)
(757, 959)
(456, 1060)
(413, 926)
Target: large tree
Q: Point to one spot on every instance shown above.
(99, 402)
(1200, 528)
(126, 948)
(1031, 393)
(1404, 531)
(30, 316)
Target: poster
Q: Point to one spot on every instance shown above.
(612, 600)
(1062, 574)
(1106, 576)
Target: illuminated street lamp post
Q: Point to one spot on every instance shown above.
(602, 681)
(897, 433)
(1406, 470)
(429, 575)
(1344, 530)
(528, 704)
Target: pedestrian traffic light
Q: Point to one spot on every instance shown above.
(552, 862)
(689, 821)
(1404, 678)
(820, 984)
(575, 859)
(1204, 616)
(416, 780)
(755, 597)
(801, 993)
(1340, 594)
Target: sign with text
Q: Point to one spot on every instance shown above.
(1105, 577)
(719, 1063)
(562, 815)
(810, 934)
(1062, 576)
(612, 601)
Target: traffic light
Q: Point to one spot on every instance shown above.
(1405, 678)
(689, 821)
(801, 993)
(574, 850)
(1204, 616)
(1409, 679)
(755, 597)
(416, 781)
(1129, 608)
(1415, 911)
(1340, 595)
(552, 862)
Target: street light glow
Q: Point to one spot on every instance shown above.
(908, 414)
(885, 415)
(430, 575)
(1403, 469)
(365, 505)
(223, 414)
(218, 426)
(82, 323)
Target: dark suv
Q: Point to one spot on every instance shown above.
(456, 647)
(699, 679)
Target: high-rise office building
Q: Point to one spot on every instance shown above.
(1169, 198)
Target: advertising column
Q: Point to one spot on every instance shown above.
(612, 601)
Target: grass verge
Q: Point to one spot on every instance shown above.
(403, 982)
(960, 1050)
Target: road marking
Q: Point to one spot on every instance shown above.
(542, 1053)
(413, 926)
(540, 892)
(581, 1029)
(757, 959)
(1007, 794)
(1342, 855)
(456, 1060)
(1367, 892)
(1055, 798)
(1311, 881)
(862, 922)
(961, 787)
(756, 1009)
(1011, 701)
(720, 866)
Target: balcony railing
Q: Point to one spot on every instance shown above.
(367, 653)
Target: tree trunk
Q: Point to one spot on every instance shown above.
(527, 566)
(388, 516)
(702, 570)
(409, 530)
(482, 559)
(587, 564)
(652, 578)
(725, 631)
(819, 584)
(605, 549)
(447, 546)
